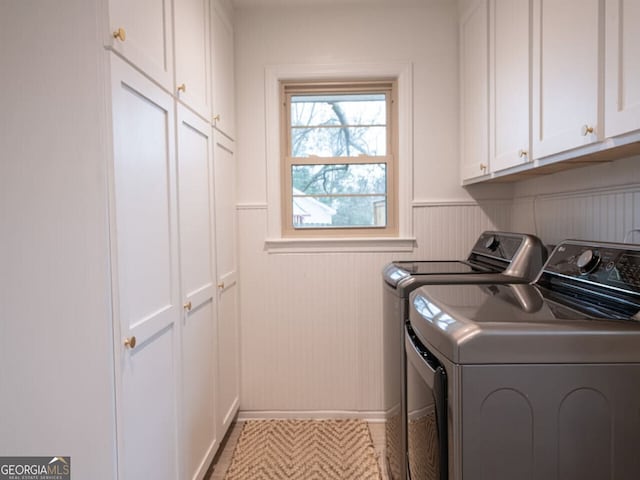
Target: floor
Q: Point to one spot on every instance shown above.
(222, 460)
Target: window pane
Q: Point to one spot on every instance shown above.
(343, 109)
(335, 212)
(338, 125)
(338, 141)
(333, 195)
(356, 178)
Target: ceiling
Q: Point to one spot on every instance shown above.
(300, 3)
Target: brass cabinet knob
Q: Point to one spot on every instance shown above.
(130, 342)
(586, 129)
(216, 118)
(483, 167)
(182, 88)
(221, 285)
(120, 34)
(522, 153)
(187, 306)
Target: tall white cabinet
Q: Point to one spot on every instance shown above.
(124, 278)
(225, 210)
(146, 278)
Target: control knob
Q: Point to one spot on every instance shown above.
(492, 243)
(587, 261)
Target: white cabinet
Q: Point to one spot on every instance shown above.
(198, 332)
(228, 394)
(192, 57)
(474, 36)
(141, 31)
(509, 83)
(622, 67)
(146, 277)
(566, 75)
(223, 89)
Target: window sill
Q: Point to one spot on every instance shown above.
(327, 245)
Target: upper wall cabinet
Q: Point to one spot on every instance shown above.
(474, 34)
(191, 21)
(223, 91)
(509, 83)
(566, 74)
(141, 32)
(622, 67)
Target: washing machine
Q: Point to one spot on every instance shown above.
(529, 381)
(496, 257)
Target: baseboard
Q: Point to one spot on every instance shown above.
(372, 417)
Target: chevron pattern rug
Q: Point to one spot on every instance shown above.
(304, 450)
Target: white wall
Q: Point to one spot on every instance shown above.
(56, 364)
(600, 203)
(311, 324)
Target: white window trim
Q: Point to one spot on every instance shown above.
(344, 72)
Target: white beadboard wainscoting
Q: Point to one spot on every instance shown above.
(311, 324)
(601, 214)
(600, 203)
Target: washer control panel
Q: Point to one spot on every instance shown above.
(498, 245)
(608, 264)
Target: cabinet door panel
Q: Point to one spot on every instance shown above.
(145, 273)
(229, 358)
(622, 70)
(566, 85)
(191, 20)
(223, 89)
(228, 330)
(195, 194)
(475, 90)
(148, 43)
(509, 79)
(225, 206)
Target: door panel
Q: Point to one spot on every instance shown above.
(145, 273)
(148, 42)
(565, 59)
(195, 193)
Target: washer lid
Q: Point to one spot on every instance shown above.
(488, 324)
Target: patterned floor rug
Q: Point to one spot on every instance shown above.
(304, 450)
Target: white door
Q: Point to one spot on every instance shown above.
(141, 31)
(509, 75)
(191, 20)
(622, 69)
(566, 75)
(145, 264)
(223, 85)
(195, 199)
(474, 71)
(228, 329)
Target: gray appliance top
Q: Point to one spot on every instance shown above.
(583, 308)
(497, 257)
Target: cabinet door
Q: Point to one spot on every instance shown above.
(223, 91)
(228, 331)
(566, 73)
(191, 21)
(474, 91)
(146, 277)
(622, 69)
(509, 73)
(145, 37)
(195, 200)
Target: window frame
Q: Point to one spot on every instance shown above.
(386, 86)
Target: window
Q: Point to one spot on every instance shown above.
(339, 159)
